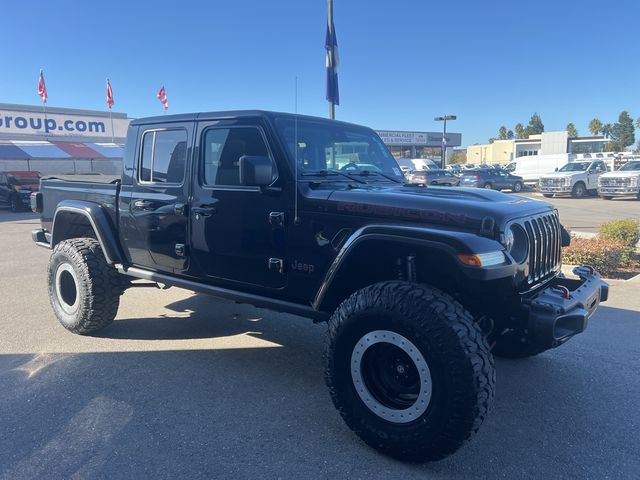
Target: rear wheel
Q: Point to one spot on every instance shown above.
(409, 370)
(578, 190)
(83, 289)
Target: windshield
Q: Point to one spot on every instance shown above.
(24, 180)
(630, 166)
(575, 167)
(329, 146)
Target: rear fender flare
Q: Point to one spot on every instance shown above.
(99, 220)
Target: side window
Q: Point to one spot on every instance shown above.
(164, 155)
(223, 148)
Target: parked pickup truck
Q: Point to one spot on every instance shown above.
(419, 286)
(575, 179)
(624, 182)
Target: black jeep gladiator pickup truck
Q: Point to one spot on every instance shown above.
(420, 286)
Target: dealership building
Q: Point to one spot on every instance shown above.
(417, 144)
(61, 140)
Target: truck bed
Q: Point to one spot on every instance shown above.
(101, 189)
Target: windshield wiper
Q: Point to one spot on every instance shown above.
(330, 172)
(368, 173)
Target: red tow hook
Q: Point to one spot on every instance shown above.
(564, 291)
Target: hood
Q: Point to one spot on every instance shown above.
(454, 207)
(561, 174)
(619, 174)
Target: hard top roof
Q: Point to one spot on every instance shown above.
(231, 114)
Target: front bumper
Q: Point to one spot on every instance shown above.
(618, 191)
(556, 189)
(564, 308)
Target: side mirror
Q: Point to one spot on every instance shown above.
(592, 170)
(556, 169)
(255, 171)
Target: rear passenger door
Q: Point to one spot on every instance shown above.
(159, 197)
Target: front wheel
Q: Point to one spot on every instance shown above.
(84, 290)
(409, 370)
(578, 190)
(14, 204)
(488, 186)
(517, 187)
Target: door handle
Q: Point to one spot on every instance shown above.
(204, 211)
(143, 204)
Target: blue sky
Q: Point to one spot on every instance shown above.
(402, 61)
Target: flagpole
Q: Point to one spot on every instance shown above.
(111, 119)
(332, 105)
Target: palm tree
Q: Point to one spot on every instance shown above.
(595, 126)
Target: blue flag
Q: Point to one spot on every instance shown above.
(331, 45)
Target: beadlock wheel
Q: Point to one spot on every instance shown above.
(66, 282)
(391, 376)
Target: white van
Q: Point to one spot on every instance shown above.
(532, 167)
(410, 164)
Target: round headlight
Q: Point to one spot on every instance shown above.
(517, 243)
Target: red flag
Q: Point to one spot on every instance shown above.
(42, 88)
(110, 100)
(162, 96)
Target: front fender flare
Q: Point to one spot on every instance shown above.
(448, 242)
(98, 219)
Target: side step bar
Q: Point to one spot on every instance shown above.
(240, 297)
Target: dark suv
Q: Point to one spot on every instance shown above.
(16, 188)
(433, 177)
(491, 178)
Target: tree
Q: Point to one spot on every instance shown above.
(510, 135)
(502, 133)
(638, 122)
(595, 126)
(535, 126)
(519, 128)
(458, 156)
(606, 129)
(572, 131)
(623, 132)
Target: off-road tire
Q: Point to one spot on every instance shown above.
(453, 347)
(579, 190)
(517, 187)
(511, 345)
(547, 195)
(79, 265)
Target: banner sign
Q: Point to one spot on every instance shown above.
(60, 124)
(427, 139)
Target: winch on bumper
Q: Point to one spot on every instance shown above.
(562, 310)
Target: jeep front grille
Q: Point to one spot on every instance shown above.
(545, 244)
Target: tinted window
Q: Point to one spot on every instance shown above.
(223, 148)
(164, 155)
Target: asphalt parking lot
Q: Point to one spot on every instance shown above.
(587, 213)
(184, 385)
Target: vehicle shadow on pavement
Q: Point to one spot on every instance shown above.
(264, 412)
(7, 215)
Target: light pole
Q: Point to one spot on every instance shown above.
(444, 119)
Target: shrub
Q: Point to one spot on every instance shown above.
(602, 254)
(625, 231)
